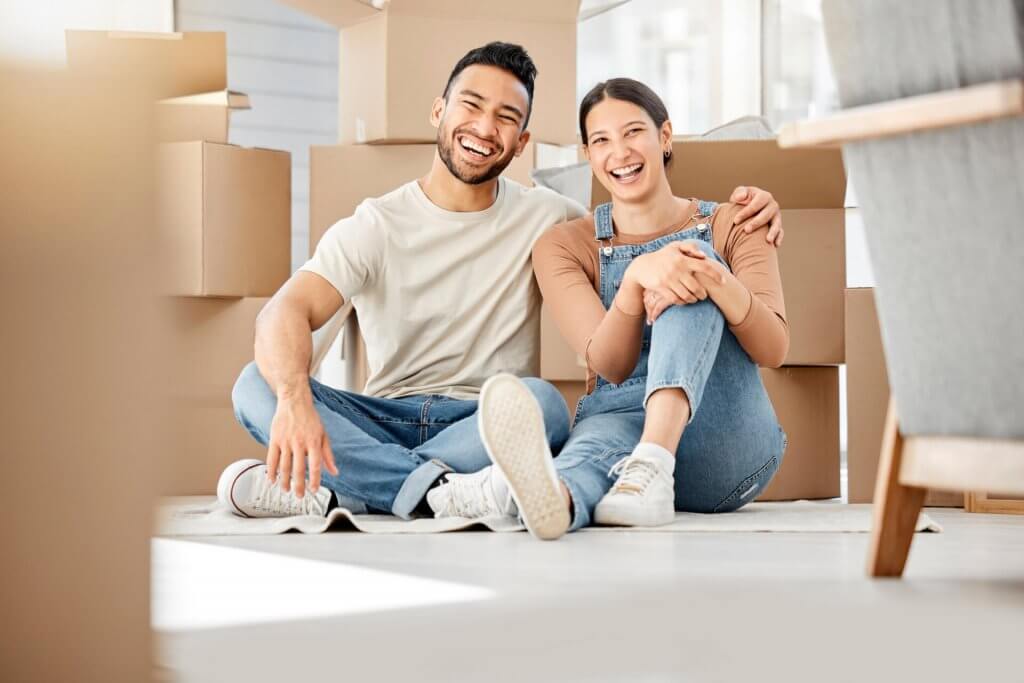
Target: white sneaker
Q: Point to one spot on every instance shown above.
(643, 495)
(244, 489)
(473, 496)
(512, 429)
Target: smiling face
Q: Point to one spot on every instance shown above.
(626, 150)
(479, 126)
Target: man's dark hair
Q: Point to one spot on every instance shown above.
(627, 90)
(508, 56)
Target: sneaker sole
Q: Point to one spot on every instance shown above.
(512, 430)
(613, 515)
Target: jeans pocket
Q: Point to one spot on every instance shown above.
(748, 489)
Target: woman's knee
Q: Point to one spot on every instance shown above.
(253, 399)
(707, 248)
(553, 408)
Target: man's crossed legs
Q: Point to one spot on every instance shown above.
(389, 452)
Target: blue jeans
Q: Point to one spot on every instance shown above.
(733, 444)
(390, 451)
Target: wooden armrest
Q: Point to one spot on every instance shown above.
(964, 106)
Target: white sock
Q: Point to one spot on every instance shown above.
(658, 454)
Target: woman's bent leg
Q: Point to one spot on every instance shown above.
(684, 346)
(734, 444)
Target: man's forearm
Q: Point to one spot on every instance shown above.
(284, 347)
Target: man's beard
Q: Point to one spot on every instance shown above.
(444, 150)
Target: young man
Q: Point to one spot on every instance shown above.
(439, 272)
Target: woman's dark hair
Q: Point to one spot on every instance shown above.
(508, 56)
(627, 90)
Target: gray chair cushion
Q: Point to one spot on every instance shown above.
(942, 210)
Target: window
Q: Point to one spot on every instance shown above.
(701, 56)
(798, 81)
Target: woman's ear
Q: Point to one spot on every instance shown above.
(586, 152)
(436, 112)
(666, 136)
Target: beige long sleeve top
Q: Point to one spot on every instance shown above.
(565, 261)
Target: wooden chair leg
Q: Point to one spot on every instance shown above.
(896, 506)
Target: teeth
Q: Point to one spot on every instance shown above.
(626, 170)
(468, 144)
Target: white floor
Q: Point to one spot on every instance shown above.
(593, 607)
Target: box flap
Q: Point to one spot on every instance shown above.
(338, 13)
(218, 98)
(163, 64)
(798, 178)
(591, 8)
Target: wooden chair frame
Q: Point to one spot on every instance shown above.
(910, 465)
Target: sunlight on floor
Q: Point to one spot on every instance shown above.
(198, 586)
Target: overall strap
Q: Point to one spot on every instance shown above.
(705, 208)
(603, 229)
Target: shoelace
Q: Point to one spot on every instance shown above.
(469, 498)
(635, 475)
(271, 498)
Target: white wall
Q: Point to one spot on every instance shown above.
(33, 30)
(287, 63)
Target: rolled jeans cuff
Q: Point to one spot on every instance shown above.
(672, 384)
(580, 518)
(415, 487)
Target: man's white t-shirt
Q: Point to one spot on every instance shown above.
(445, 299)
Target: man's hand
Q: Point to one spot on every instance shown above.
(297, 435)
(759, 210)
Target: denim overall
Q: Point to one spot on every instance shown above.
(733, 444)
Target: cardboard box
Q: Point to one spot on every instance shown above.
(210, 341)
(206, 116)
(77, 527)
(801, 178)
(812, 263)
(225, 219)
(572, 391)
(806, 401)
(164, 64)
(342, 176)
(867, 401)
(810, 186)
(395, 61)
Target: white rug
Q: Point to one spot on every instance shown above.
(202, 516)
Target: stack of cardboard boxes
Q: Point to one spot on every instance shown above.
(810, 185)
(223, 228)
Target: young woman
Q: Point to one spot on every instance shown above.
(674, 308)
